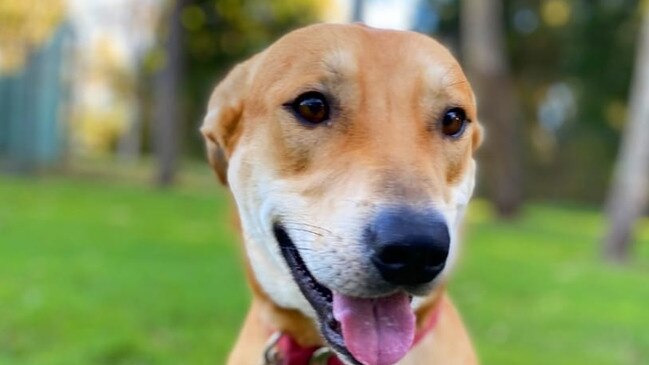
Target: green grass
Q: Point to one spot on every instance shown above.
(98, 273)
(536, 292)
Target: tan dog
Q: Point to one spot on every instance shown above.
(348, 151)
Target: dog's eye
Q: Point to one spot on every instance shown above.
(311, 107)
(454, 122)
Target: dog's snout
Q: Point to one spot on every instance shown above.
(409, 247)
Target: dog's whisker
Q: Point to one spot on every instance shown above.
(307, 231)
(298, 249)
(299, 225)
(305, 224)
(332, 237)
(311, 228)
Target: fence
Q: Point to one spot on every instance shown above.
(33, 108)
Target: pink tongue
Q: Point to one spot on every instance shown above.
(376, 331)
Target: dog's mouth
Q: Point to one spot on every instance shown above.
(365, 331)
(319, 296)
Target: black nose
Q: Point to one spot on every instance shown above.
(410, 247)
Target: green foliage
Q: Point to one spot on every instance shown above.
(92, 273)
(593, 54)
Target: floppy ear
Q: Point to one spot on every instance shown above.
(221, 125)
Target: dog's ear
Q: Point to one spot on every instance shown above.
(221, 125)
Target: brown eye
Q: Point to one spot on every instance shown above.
(454, 122)
(311, 107)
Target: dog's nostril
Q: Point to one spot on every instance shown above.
(394, 254)
(426, 254)
(435, 257)
(410, 264)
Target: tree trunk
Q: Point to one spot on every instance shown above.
(485, 58)
(358, 10)
(629, 192)
(129, 144)
(166, 126)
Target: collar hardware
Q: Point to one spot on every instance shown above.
(273, 354)
(321, 356)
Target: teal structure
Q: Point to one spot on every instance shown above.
(33, 108)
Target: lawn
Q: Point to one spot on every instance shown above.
(103, 273)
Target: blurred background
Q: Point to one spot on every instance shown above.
(116, 244)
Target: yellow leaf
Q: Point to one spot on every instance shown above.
(556, 13)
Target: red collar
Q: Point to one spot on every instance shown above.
(292, 353)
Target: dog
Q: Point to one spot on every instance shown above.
(348, 151)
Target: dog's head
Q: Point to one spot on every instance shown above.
(349, 154)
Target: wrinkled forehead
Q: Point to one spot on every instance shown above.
(330, 56)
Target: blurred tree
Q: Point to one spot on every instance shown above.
(129, 145)
(95, 124)
(486, 62)
(357, 10)
(141, 18)
(630, 189)
(167, 107)
(572, 64)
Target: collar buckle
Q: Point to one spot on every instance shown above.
(321, 356)
(271, 354)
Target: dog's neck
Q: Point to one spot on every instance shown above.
(290, 321)
(302, 328)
